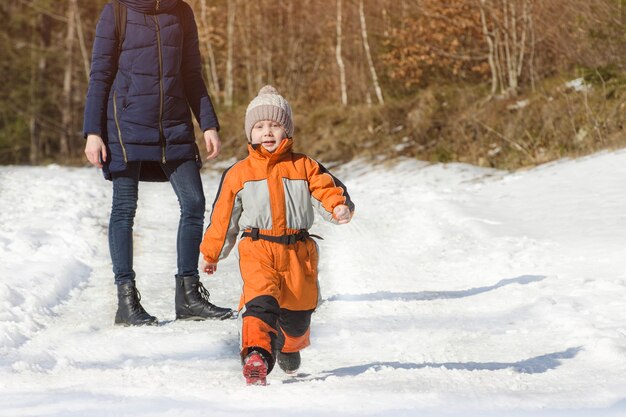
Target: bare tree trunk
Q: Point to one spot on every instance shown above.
(403, 15)
(491, 56)
(230, 35)
(499, 60)
(508, 42)
(368, 54)
(269, 63)
(386, 21)
(294, 42)
(245, 41)
(81, 41)
(269, 44)
(211, 69)
(257, 19)
(42, 40)
(38, 64)
(531, 58)
(66, 110)
(340, 64)
(521, 52)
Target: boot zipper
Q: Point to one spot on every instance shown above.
(117, 124)
(161, 134)
(158, 4)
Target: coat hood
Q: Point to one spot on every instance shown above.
(150, 6)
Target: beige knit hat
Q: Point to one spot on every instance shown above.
(269, 105)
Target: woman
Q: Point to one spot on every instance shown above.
(145, 77)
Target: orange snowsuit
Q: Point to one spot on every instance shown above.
(273, 195)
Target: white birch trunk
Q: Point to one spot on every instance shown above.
(368, 54)
(509, 43)
(339, 57)
(531, 58)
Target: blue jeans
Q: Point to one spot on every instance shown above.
(185, 179)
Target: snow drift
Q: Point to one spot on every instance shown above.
(456, 290)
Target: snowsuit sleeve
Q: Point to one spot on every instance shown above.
(103, 71)
(327, 192)
(221, 235)
(195, 89)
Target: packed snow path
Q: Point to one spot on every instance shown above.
(455, 291)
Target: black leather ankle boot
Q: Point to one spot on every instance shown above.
(192, 301)
(129, 309)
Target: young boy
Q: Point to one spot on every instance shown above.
(270, 195)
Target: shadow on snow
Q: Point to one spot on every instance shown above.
(434, 295)
(536, 365)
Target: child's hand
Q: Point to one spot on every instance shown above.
(210, 268)
(342, 214)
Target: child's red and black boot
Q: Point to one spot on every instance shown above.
(255, 368)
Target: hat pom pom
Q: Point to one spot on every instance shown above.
(268, 89)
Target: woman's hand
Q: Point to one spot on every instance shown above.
(95, 150)
(212, 142)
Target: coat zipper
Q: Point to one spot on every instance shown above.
(161, 134)
(117, 124)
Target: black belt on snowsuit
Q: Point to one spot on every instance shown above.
(284, 239)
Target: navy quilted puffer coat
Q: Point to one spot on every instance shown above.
(141, 107)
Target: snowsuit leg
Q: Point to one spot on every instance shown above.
(293, 330)
(280, 293)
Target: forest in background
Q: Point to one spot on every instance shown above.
(503, 83)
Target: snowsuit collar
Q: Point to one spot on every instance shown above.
(259, 152)
(150, 6)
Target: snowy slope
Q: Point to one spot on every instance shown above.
(455, 291)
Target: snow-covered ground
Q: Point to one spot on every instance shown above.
(456, 291)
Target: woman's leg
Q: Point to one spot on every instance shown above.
(187, 184)
(191, 299)
(125, 194)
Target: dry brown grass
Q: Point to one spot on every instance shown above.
(459, 124)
